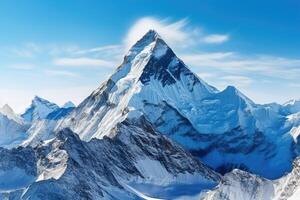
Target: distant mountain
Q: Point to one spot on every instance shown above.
(39, 109)
(12, 127)
(69, 104)
(17, 130)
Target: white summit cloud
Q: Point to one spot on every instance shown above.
(176, 33)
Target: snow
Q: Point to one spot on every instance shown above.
(39, 109)
(9, 113)
(69, 104)
(12, 128)
(139, 194)
(292, 106)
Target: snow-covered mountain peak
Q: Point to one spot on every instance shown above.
(12, 127)
(151, 73)
(69, 104)
(39, 109)
(150, 37)
(233, 94)
(292, 106)
(6, 110)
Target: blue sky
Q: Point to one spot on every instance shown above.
(62, 50)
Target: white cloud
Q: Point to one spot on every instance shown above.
(206, 75)
(176, 34)
(82, 62)
(239, 81)
(215, 39)
(61, 73)
(107, 48)
(234, 63)
(28, 50)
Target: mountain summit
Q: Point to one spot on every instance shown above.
(39, 109)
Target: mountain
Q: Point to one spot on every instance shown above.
(16, 130)
(12, 127)
(224, 129)
(111, 168)
(39, 109)
(46, 116)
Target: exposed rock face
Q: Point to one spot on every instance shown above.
(243, 185)
(68, 168)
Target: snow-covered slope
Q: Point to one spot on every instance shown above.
(16, 130)
(225, 129)
(68, 168)
(39, 109)
(292, 106)
(12, 128)
(239, 184)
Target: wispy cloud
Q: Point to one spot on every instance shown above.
(61, 73)
(235, 63)
(173, 32)
(28, 50)
(178, 34)
(82, 62)
(239, 81)
(206, 75)
(114, 48)
(215, 39)
(22, 66)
